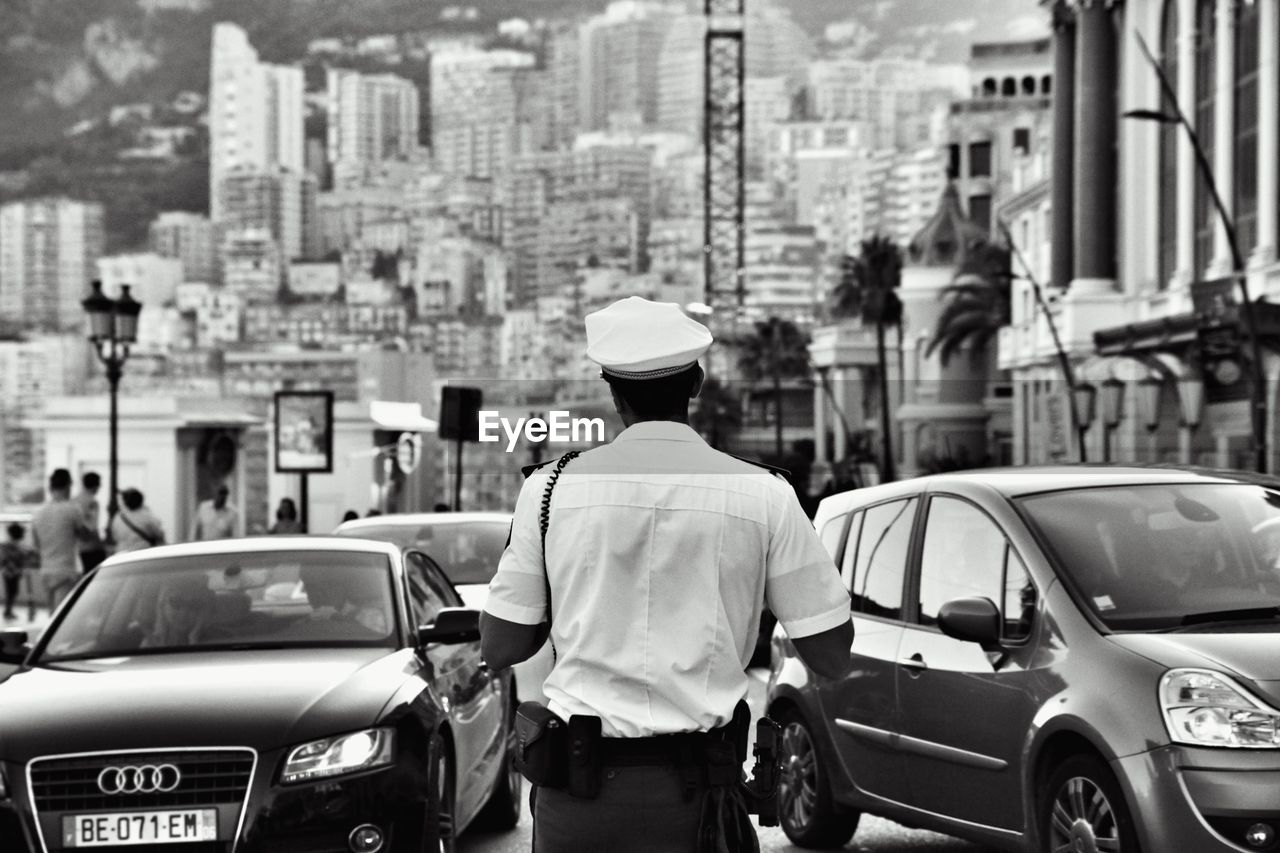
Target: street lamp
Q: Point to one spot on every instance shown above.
(113, 326)
(1257, 393)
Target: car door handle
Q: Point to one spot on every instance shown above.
(915, 662)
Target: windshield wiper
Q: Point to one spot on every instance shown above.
(1246, 614)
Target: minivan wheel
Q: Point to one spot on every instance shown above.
(805, 810)
(1082, 810)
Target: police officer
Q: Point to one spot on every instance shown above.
(659, 554)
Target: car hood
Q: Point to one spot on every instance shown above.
(1252, 655)
(264, 699)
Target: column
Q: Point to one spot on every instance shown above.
(1224, 148)
(819, 418)
(838, 390)
(1268, 132)
(1095, 220)
(1187, 171)
(1060, 187)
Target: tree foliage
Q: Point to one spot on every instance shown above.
(978, 303)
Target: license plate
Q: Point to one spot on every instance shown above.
(168, 827)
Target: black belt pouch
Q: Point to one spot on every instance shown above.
(584, 756)
(542, 754)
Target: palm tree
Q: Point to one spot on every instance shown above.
(717, 413)
(867, 290)
(776, 350)
(979, 302)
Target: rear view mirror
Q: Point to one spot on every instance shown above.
(974, 620)
(13, 645)
(453, 625)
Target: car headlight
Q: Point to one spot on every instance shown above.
(337, 755)
(1206, 708)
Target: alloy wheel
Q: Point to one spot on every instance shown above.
(1083, 820)
(798, 787)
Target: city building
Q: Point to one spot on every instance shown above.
(782, 266)
(252, 267)
(372, 117)
(619, 63)
(255, 112)
(892, 96)
(153, 280)
(1007, 112)
(30, 371)
(1150, 315)
(280, 201)
(49, 248)
(189, 237)
(315, 279)
(216, 314)
(482, 109)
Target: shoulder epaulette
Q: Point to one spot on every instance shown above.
(772, 469)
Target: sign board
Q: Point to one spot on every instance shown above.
(304, 432)
(408, 451)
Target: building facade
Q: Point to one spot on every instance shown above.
(49, 249)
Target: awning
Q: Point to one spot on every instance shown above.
(400, 417)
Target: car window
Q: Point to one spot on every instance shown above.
(963, 556)
(851, 550)
(831, 533)
(1019, 603)
(881, 562)
(428, 592)
(467, 551)
(242, 600)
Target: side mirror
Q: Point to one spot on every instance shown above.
(452, 625)
(974, 620)
(13, 645)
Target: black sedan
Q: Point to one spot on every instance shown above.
(280, 694)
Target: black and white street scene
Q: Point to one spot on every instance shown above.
(597, 426)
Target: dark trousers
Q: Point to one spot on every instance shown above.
(641, 808)
(92, 558)
(10, 592)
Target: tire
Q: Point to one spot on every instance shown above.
(1083, 809)
(440, 832)
(806, 811)
(502, 810)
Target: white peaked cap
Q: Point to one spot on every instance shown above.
(637, 339)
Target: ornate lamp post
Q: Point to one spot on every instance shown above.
(1147, 402)
(113, 326)
(1112, 412)
(1084, 395)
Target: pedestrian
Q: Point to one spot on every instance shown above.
(135, 526)
(286, 518)
(215, 518)
(57, 529)
(92, 551)
(14, 559)
(350, 515)
(441, 507)
(659, 554)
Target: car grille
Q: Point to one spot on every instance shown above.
(208, 778)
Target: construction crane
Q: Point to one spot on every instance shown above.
(724, 142)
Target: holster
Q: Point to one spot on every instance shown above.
(584, 756)
(542, 755)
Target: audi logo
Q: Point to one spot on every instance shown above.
(139, 779)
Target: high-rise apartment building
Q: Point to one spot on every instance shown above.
(619, 63)
(255, 112)
(481, 114)
(252, 268)
(49, 250)
(372, 117)
(189, 237)
(281, 201)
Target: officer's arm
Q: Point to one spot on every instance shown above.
(827, 653)
(803, 589)
(514, 623)
(504, 644)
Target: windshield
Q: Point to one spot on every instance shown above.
(277, 599)
(1158, 557)
(468, 551)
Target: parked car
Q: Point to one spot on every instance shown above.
(190, 695)
(468, 546)
(1047, 659)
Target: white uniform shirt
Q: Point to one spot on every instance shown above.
(662, 551)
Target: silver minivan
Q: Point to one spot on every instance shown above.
(1047, 659)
